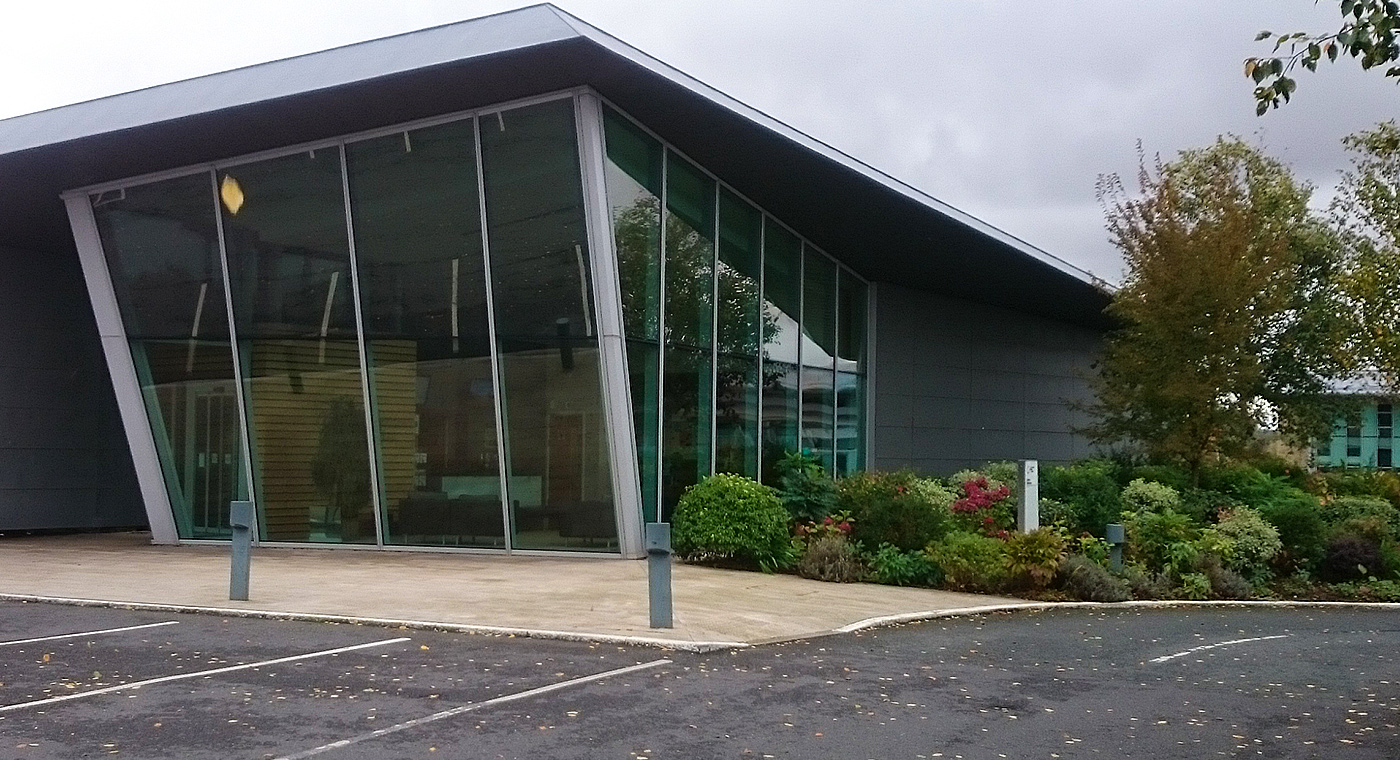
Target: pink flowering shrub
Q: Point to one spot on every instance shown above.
(984, 509)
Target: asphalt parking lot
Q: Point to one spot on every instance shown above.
(1072, 683)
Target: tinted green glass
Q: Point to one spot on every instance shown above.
(162, 250)
(782, 302)
(850, 423)
(740, 316)
(633, 176)
(560, 486)
(850, 323)
(818, 355)
(689, 325)
(289, 270)
(418, 248)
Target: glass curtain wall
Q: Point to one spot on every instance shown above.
(559, 474)
(418, 247)
(764, 350)
(293, 306)
(162, 247)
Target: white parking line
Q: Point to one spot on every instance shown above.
(86, 633)
(196, 674)
(470, 707)
(1213, 646)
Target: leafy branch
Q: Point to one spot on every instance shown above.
(1367, 33)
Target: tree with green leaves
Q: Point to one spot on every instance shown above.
(1229, 316)
(1367, 33)
(1366, 210)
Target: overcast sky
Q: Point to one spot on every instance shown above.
(1007, 110)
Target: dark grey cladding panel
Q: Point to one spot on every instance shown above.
(959, 383)
(63, 458)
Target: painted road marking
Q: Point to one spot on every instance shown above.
(470, 707)
(197, 674)
(1213, 646)
(86, 633)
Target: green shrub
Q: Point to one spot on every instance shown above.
(1243, 483)
(807, 493)
(1163, 541)
(1032, 558)
(892, 508)
(1369, 591)
(1088, 581)
(1093, 547)
(1057, 513)
(1142, 496)
(1146, 585)
(1379, 484)
(1343, 508)
(1167, 475)
(1195, 586)
(997, 474)
(1300, 529)
(971, 562)
(1088, 489)
(1254, 542)
(1224, 582)
(731, 517)
(893, 567)
(831, 558)
(1204, 506)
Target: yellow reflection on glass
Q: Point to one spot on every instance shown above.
(231, 194)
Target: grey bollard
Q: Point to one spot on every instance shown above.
(1113, 533)
(241, 518)
(658, 544)
(1028, 509)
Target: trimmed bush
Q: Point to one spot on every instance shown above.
(1143, 496)
(1253, 542)
(807, 492)
(1088, 581)
(892, 567)
(731, 517)
(1344, 508)
(892, 508)
(1089, 491)
(1032, 558)
(831, 558)
(1300, 529)
(971, 562)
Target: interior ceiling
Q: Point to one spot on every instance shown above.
(879, 232)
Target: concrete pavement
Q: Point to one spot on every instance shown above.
(584, 597)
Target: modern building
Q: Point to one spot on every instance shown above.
(1363, 436)
(508, 284)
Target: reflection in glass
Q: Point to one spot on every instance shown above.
(162, 250)
(850, 324)
(850, 423)
(740, 319)
(417, 228)
(851, 308)
(782, 303)
(689, 324)
(818, 356)
(633, 176)
(559, 486)
(289, 271)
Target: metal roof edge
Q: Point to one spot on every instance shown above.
(676, 76)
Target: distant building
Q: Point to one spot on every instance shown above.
(1364, 437)
(508, 284)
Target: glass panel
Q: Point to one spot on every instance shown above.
(560, 484)
(289, 262)
(690, 267)
(818, 356)
(850, 423)
(782, 300)
(417, 223)
(850, 324)
(633, 176)
(739, 317)
(162, 249)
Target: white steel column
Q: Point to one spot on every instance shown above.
(122, 369)
(607, 299)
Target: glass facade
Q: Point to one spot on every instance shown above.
(393, 339)
(758, 337)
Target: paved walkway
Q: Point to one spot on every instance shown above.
(587, 596)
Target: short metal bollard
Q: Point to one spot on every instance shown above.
(658, 544)
(1113, 533)
(241, 518)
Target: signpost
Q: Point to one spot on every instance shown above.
(242, 518)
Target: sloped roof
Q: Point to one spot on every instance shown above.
(880, 226)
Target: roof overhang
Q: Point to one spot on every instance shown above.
(882, 228)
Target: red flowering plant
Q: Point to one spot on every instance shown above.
(984, 509)
(834, 524)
